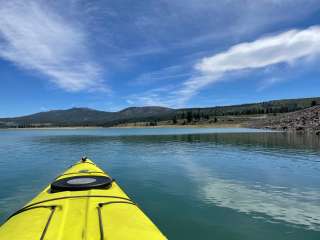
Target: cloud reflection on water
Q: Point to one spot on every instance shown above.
(300, 207)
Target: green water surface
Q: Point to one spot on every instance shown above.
(193, 183)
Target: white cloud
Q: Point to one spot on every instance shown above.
(34, 37)
(285, 47)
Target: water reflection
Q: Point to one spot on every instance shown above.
(295, 207)
(240, 177)
(290, 203)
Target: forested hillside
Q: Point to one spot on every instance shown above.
(152, 115)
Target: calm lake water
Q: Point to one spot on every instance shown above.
(193, 183)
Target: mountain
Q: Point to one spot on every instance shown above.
(154, 114)
(58, 117)
(85, 117)
(143, 111)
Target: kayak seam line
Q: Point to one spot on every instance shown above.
(48, 222)
(100, 205)
(100, 224)
(27, 209)
(68, 197)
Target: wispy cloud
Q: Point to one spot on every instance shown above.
(163, 27)
(35, 37)
(286, 47)
(161, 96)
(166, 74)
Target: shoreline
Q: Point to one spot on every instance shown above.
(50, 128)
(126, 127)
(186, 126)
(203, 126)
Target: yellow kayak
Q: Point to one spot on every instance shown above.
(83, 203)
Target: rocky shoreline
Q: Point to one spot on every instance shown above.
(306, 120)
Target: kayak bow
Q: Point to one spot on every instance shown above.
(83, 203)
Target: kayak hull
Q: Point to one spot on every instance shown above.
(89, 214)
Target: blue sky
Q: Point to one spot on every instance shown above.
(110, 55)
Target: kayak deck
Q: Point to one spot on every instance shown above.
(92, 214)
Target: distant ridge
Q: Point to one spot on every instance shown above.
(91, 117)
(85, 117)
